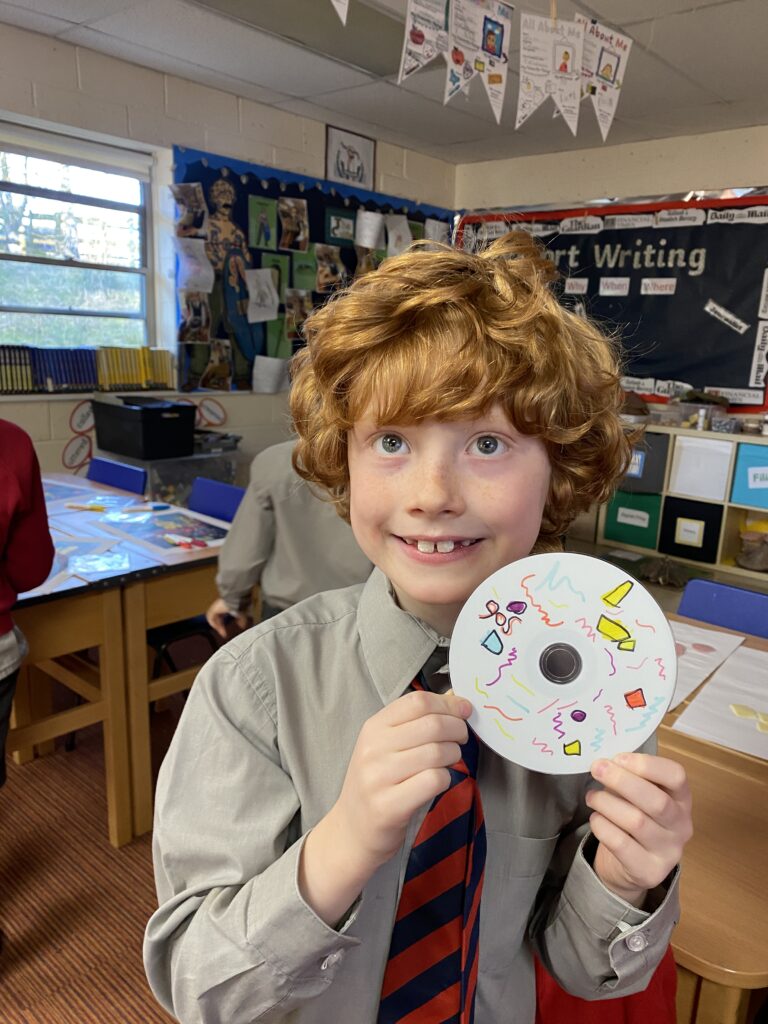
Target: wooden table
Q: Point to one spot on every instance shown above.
(721, 942)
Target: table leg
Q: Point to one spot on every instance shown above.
(21, 714)
(117, 765)
(719, 1004)
(134, 624)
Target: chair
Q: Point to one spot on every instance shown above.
(723, 605)
(220, 501)
(117, 474)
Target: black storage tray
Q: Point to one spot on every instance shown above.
(145, 428)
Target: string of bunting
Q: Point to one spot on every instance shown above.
(569, 60)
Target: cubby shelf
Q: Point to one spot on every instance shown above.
(668, 522)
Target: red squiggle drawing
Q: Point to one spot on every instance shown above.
(611, 715)
(492, 707)
(660, 663)
(544, 748)
(591, 634)
(634, 667)
(645, 625)
(544, 617)
(550, 705)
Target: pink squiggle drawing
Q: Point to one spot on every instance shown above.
(544, 748)
(598, 694)
(611, 715)
(613, 663)
(492, 707)
(544, 617)
(550, 705)
(660, 663)
(557, 724)
(634, 667)
(511, 657)
(591, 634)
(645, 625)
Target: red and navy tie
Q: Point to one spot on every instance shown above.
(431, 973)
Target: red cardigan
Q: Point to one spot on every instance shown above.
(26, 548)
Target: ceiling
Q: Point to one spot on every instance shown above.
(696, 66)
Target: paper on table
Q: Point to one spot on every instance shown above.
(732, 709)
(700, 467)
(699, 653)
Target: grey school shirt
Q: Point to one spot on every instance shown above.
(259, 757)
(286, 538)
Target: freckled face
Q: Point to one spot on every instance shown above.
(440, 505)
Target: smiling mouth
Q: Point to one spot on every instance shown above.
(443, 547)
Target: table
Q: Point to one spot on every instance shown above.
(721, 942)
(69, 614)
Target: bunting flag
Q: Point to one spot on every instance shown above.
(342, 8)
(426, 35)
(550, 65)
(603, 68)
(479, 40)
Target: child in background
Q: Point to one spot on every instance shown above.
(26, 556)
(461, 418)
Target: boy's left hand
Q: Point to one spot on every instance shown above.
(642, 821)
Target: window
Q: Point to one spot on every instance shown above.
(75, 255)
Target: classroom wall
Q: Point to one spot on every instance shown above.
(45, 78)
(729, 159)
(261, 420)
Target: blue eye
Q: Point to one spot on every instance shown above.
(390, 444)
(488, 444)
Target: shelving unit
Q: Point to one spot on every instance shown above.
(697, 523)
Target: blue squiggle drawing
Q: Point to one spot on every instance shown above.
(597, 740)
(647, 715)
(554, 583)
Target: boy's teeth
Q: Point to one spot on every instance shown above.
(427, 547)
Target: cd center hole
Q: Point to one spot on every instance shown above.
(560, 663)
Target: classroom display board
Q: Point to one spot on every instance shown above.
(685, 286)
(258, 248)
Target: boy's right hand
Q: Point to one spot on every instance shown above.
(400, 762)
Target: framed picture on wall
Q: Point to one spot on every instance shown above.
(349, 158)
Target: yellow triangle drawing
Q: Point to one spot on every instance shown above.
(616, 596)
(572, 748)
(611, 629)
(627, 645)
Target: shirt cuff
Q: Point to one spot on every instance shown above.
(289, 934)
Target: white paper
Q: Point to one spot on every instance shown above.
(699, 653)
(732, 709)
(550, 65)
(270, 375)
(263, 299)
(479, 45)
(399, 235)
(369, 229)
(758, 374)
(426, 35)
(603, 67)
(700, 467)
(436, 230)
(195, 269)
(342, 9)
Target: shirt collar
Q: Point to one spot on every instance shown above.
(395, 644)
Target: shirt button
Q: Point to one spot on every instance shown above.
(636, 942)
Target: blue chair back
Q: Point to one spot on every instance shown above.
(723, 605)
(117, 474)
(214, 498)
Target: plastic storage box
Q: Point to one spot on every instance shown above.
(171, 479)
(144, 428)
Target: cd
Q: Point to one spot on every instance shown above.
(565, 659)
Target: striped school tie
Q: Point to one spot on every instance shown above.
(431, 973)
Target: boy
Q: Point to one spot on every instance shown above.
(460, 418)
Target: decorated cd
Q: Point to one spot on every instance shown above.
(565, 659)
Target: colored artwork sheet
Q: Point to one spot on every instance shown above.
(565, 659)
(167, 531)
(53, 491)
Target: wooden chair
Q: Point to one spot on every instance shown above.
(723, 605)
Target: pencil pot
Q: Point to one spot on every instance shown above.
(145, 429)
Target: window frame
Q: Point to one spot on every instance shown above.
(109, 157)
